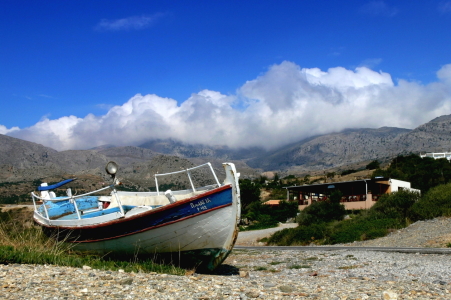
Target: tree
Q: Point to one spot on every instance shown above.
(395, 205)
(435, 203)
(249, 192)
(373, 165)
(285, 211)
(422, 173)
(323, 211)
(330, 175)
(347, 172)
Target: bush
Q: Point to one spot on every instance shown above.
(302, 235)
(395, 205)
(361, 228)
(263, 222)
(266, 216)
(422, 173)
(435, 203)
(324, 211)
(250, 193)
(373, 165)
(347, 172)
(285, 211)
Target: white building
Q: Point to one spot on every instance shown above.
(437, 155)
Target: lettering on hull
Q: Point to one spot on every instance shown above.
(201, 204)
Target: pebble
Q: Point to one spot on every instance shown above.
(257, 274)
(268, 274)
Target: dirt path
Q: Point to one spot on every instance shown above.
(250, 238)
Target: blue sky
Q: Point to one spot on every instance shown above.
(72, 70)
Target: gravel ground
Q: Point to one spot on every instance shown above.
(434, 233)
(262, 274)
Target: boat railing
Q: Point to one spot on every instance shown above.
(72, 199)
(188, 172)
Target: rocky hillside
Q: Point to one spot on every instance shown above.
(23, 165)
(434, 136)
(25, 161)
(333, 150)
(223, 152)
(357, 147)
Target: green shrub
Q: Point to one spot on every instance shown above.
(373, 165)
(323, 211)
(263, 222)
(347, 172)
(395, 205)
(302, 235)
(435, 203)
(266, 216)
(285, 211)
(361, 228)
(422, 173)
(250, 194)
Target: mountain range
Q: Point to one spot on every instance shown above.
(26, 161)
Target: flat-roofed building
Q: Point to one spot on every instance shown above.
(437, 155)
(357, 194)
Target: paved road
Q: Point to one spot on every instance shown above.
(251, 238)
(350, 248)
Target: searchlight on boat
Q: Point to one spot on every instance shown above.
(111, 168)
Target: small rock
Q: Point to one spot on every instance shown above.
(126, 281)
(87, 268)
(389, 295)
(269, 284)
(190, 272)
(244, 274)
(252, 294)
(286, 289)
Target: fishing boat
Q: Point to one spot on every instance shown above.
(197, 226)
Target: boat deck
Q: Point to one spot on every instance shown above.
(98, 213)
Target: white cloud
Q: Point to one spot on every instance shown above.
(444, 7)
(4, 130)
(371, 62)
(444, 73)
(129, 23)
(379, 8)
(286, 104)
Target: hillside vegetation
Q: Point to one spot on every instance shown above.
(320, 224)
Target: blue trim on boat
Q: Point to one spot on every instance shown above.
(61, 208)
(54, 186)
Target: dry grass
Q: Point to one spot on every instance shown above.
(17, 231)
(23, 242)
